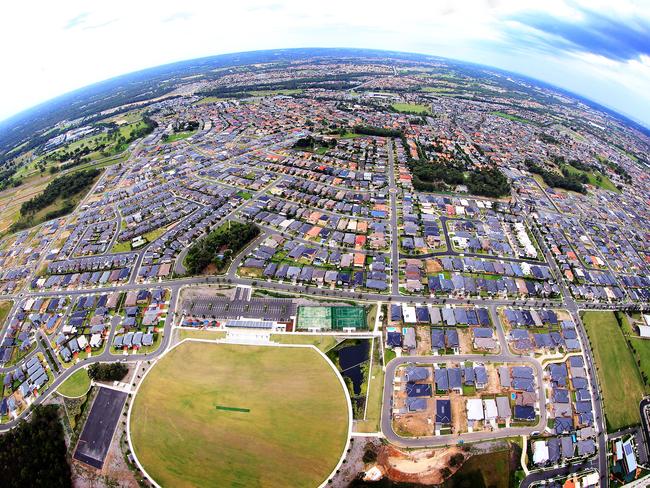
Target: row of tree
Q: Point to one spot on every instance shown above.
(64, 186)
(556, 180)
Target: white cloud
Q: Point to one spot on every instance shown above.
(54, 47)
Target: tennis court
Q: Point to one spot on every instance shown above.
(328, 318)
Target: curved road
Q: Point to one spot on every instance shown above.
(445, 440)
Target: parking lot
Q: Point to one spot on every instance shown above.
(100, 426)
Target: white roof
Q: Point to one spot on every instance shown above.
(475, 409)
(644, 330)
(490, 408)
(540, 452)
(409, 314)
(82, 341)
(646, 319)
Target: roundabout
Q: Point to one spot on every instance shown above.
(211, 414)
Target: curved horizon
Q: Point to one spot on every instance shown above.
(594, 49)
(309, 52)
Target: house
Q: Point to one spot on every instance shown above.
(455, 376)
(540, 452)
(418, 390)
(437, 339)
(414, 404)
(408, 341)
(480, 377)
(393, 339)
(443, 412)
(526, 413)
(503, 408)
(490, 407)
(441, 379)
(416, 373)
(474, 409)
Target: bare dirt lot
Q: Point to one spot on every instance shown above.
(458, 413)
(421, 466)
(493, 387)
(416, 424)
(465, 341)
(423, 334)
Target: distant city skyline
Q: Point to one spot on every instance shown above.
(596, 49)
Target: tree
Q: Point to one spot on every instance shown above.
(107, 371)
(34, 453)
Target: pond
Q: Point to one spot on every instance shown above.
(351, 358)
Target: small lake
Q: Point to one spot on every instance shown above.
(350, 360)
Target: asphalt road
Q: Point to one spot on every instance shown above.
(394, 234)
(444, 440)
(393, 296)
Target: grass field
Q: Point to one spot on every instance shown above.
(201, 334)
(640, 348)
(604, 182)
(206, 100)
(5, 308)
(322, 342)
(177, 136)
(411, 107)
(293, 435)
(76, 385)
(482, 470)
(374, 399)
(620, 380)
(515, 118)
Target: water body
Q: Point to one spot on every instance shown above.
(351, 358)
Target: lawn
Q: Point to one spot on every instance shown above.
(620, 380)
(515, 118)
(76, 385)
(375, 394)
(123, 246)
(201, 334)
(596, 178)
(322, 342)
(640, 349)
(206, 100)
(5, 308)
(177, 136)
(292, 434)
(482, 470)
(411, 108)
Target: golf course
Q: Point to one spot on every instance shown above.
(241, 416)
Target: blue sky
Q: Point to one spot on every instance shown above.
(598, 49)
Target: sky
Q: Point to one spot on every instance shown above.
(599, 49)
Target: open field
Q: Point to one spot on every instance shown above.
(596, 178)
(210, 335)
(411, 107)
(640, 347)
(482, 470)
(5, 308)
(12, 198)
(512, 117)
(282, 418)
(374, 394)
(206, 100)
(322, 342)
(619, 377)
(76, 385)
(177, 136)
(62, 205)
